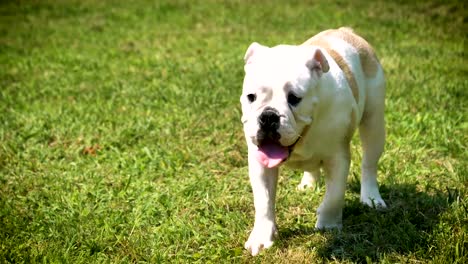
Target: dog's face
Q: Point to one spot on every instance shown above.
(278, 97)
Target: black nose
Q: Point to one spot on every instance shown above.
(269, 120)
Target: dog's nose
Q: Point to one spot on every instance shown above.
(269, 120)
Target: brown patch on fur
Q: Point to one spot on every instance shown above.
(367, 57)
(348, 73)
(322, 43)
(369, 61)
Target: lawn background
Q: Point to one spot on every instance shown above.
(121, 141)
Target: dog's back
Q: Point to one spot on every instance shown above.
(367, 82)
(361, 67)
(369, 62)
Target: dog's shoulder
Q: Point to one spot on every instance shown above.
(335, 41)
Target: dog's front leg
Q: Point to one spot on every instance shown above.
(329, 213)
(263, 181)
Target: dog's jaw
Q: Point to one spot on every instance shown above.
(271, 153)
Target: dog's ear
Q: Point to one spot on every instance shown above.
(318, 63)
(251, 50)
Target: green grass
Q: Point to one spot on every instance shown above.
(121, 141)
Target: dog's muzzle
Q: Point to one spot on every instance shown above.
(270, 152)
(269, 122)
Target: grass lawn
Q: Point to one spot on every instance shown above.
(121, 140)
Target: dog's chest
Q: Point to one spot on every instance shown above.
(321, 142)
(308, 156)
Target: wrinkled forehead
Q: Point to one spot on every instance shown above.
(274, 74)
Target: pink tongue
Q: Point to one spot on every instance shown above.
(271, 154)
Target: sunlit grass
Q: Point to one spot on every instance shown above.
(121, 141)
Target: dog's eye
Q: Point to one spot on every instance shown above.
(251, 97)
(293, 100)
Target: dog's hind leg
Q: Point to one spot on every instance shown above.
(309, 180)
(372, 134)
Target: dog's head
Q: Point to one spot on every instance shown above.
(278, 97)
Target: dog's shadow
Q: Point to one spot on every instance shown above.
(367, 234)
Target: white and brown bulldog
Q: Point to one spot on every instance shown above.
(301, 105)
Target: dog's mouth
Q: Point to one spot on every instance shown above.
(271, 153)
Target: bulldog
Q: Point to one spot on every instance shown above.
(300, 107)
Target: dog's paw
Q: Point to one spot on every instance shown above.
(305, 186)
(308, 181)
(329, 217)
(327, 224)
(374, 201)
(370, 196)
(261, 237)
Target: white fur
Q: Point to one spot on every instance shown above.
(326, 106)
